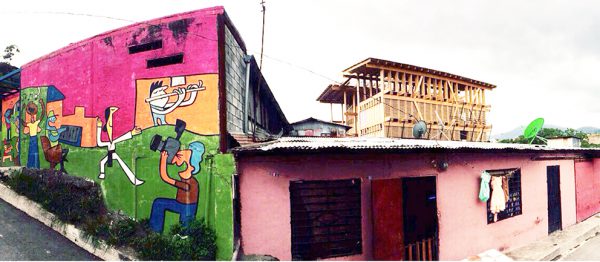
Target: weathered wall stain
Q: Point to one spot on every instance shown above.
(179, 28)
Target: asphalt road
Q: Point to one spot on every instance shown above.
(24, 238)
(589, 250)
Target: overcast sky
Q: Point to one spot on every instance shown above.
(544, 56)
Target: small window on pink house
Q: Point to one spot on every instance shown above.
(513, 205)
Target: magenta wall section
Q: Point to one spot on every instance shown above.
(463, 228)
(99, 72)
(587, 178)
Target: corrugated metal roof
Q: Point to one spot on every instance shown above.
(369, 143)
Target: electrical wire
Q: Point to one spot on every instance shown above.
(192, 33)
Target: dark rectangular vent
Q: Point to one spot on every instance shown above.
(165, 61)
(145, 47)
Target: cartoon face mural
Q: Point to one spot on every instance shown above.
(32, 127)
(159, 99)
(7, 151)
(186, 202)
(53, 151)
(111, 145)
(10, 132)
(162, 101)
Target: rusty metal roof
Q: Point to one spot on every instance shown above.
(314, 144)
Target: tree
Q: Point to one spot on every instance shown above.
(551, 133)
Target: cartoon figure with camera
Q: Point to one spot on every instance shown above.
(186, 201)
(111, 145)
(159, 99)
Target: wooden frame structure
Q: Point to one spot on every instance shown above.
(381, 98)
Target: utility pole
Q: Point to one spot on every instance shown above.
(257, 95)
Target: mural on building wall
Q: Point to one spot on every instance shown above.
(185, 203)
(110, 145)
(141, 184)
(77, 87)
(53, 151)
(162, 101)
(159, 99)
(10, 130)
(34, 113)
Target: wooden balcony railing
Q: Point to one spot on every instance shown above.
(424, 250)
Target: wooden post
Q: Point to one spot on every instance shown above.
(430, 256)
(331, 111)
(356, 109)
(343, 113)
(419, 85)
(424, 250)
(382, 80)
(370, 86)
(411, 86)
(396, 82)
(403, 84)
(428, 88)
(345, 108)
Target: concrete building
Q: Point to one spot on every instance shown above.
(402, 199)
(178, 83)
(564, 141)
(313, 127)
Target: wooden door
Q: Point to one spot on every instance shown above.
(388, 240)
(554, 207)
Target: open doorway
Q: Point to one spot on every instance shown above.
(420, 218)
(405, 220)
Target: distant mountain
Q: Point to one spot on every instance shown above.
(519, 131)
(589, 129)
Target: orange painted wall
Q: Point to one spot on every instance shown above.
(205, 120)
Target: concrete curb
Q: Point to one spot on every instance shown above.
(559, 244)
(34, 210)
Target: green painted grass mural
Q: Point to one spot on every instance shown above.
(214, 180)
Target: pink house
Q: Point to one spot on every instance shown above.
(401, 199)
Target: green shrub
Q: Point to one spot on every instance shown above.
(71, 199)
(78, 201)
(195, 242)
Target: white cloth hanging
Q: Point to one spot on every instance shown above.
(498, 202)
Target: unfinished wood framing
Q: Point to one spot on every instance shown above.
(385, 99)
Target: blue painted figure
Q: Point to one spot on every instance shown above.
(186, 202)
(32, 128)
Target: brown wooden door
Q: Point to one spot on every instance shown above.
(388, 240)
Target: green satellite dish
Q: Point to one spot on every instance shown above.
(533, 129)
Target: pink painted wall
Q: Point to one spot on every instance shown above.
(462, 217)
(99, 72)
(587, 178)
